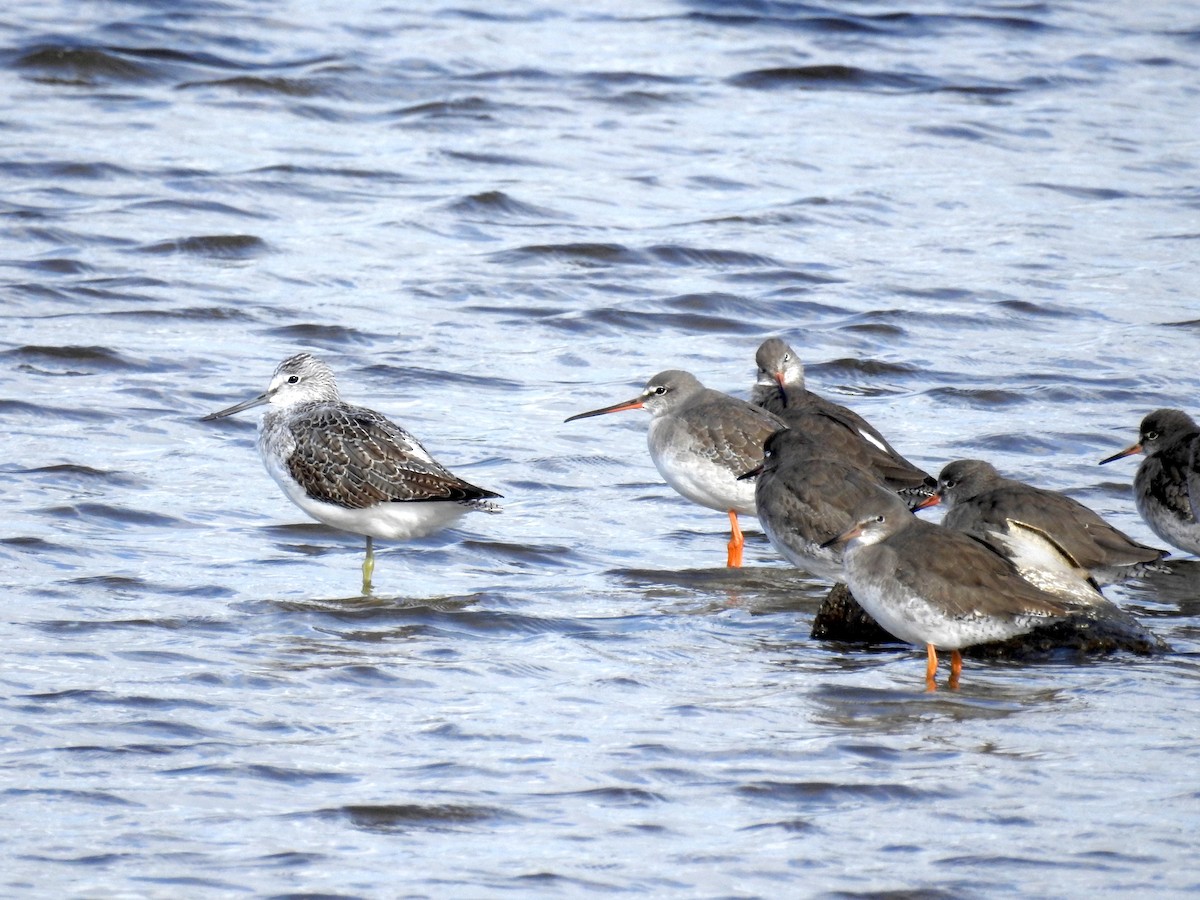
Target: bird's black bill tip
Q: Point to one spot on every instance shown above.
(616, 407)
(1128, 451)
(753, 473)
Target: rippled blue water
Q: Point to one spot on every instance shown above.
(977, 222)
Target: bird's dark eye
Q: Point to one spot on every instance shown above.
(949, 484)
(787, 357)
(1152, 435)
(661, 389)
(292, 379)
(879, 519)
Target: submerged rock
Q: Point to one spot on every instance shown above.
(1094, 631)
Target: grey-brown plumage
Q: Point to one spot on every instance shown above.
(780, 388)
(933, 586)
(1161, 487)
(701, 440)
(805, 497)
(982, 502)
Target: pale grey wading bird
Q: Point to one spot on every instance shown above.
(701, 440)
(933, 586)
(1162, 487)
(351, 467)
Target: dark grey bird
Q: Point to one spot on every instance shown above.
(1012, 515)
(1162, 487)
(936, 587)
(701, 440)
(780, 389)
(351, 467)
(805, 497)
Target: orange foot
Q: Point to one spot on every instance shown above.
(736, 542)
(930, 668)
(955, 669)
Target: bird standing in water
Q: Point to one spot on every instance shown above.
(701, 440)
(351, 467)
(1163, 485)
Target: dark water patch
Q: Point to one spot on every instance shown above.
(797, 280)
(259, 772)
(471, 108)
(187, 314)
(645, 100)
(192, 205)
(56, 266)
(1042, 309)
(788, 826)
(837, 77)
(979, 398)
(690, 256)
(321, 335)
(825, 793)
(299, 173)
(1030, 443)
(265, 85)
(72, 627)
(620, 797)
(50, 360)
(489, 205)
(1083, 193)
(954, 132)
(215, 246)
(416, 376)
(626, 78)
(450, 615)
(57, 171)
(116, 514)
(108, 698)
(850, 367)
(101, 798)
(580, 254)
(42, 413)
(519, 75)
(626, 321)
(403, 817)
(1008, 863)
(493, 159)
(85, 66)
(523, 555)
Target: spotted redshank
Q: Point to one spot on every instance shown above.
(780, 389)
(701, 440)
(936, 587)
(805, 497)
(1006, 513)
(351, 467)
(1161, 490)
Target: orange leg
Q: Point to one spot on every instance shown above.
(736, 542)
(955, 669)
(931, 668)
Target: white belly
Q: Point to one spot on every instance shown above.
(392, 521)
(701, 479)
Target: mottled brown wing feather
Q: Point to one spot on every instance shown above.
(732, 434)
(356, 458)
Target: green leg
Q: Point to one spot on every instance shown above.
(368, 566)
